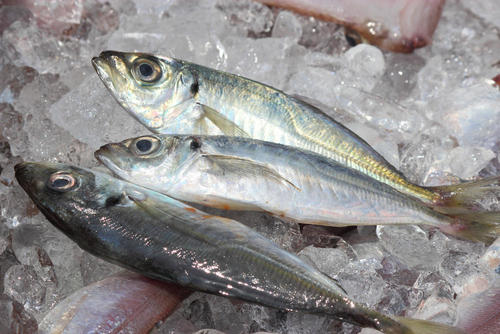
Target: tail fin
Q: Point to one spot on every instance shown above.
(464, 197)
(414, 326)
(481, 226)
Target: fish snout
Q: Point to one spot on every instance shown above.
(27, 174)
(113, 156)
(112, 57)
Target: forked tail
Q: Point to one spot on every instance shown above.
(465, 197)
(414, 326)
(480, 226)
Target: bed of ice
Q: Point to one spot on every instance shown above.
(434, 114)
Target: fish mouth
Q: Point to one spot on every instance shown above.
(103, 71)
(28, 175)
(105, 156)
(32, 177)
(111, 67)
(24, 175)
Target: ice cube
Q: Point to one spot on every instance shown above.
(487, 9)
(23, 285)
(409, 244)
(91, 104)
(466, 162)
(400, 77)
(52, 15)
(472, 114)
(253, 19)
(328, 260)
(287, 25)
(362, 282)
(458, 268)
(14, 319)
(366, 65)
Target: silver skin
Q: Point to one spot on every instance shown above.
(244, 174)
(172, 96)
(165, 239)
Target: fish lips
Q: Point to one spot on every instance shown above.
(106, 155)
(32, 177)
(111, 67)
(27, 176)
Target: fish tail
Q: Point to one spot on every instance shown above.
(478, 226)
(464, 197)
(415, 326)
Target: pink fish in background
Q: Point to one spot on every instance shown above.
(479, 311)
(395, 25)
(122, 303)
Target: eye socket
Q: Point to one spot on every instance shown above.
(146, 145)
(147, 70)
(62, 181)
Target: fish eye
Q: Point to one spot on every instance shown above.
(146, 145)
(62, 182)
(147, 70)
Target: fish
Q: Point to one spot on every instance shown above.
(479, 313)
(122, 303)
(165, 239)
(245, 174)
(172, 96)
(394, 25)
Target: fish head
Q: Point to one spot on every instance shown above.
(143, 84)
(63, 193)
(56, 189)
(85, 205)
(150, 160)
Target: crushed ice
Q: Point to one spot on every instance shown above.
(434, 114)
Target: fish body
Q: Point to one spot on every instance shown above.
(395, 25)
(168, 240)
(479, 313)
(122, 303)
(179, 97)
(246, 174)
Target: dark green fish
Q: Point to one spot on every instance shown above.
(165, 239)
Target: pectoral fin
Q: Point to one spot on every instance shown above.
(160, 209)
(226, 126)
(245, 167)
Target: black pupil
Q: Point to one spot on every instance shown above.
(59, 183)
(146, 69)
(144, 145)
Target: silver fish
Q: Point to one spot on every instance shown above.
(245, 174)
(168, 240)
(173, 96)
